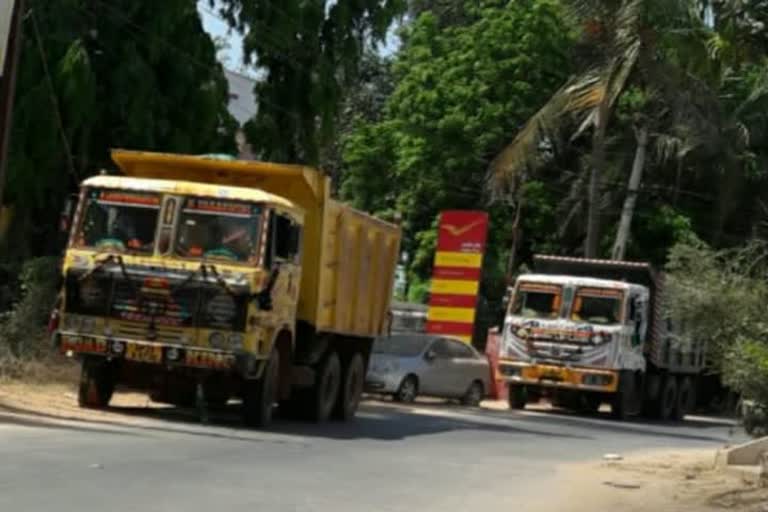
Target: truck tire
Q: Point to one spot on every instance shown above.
(325, 392)
(668, 398)
(97, 383)
(685, 398)
(259, 395)
(590, 403)
(351, 389)
(518, 397)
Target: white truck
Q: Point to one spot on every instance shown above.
(583, 332)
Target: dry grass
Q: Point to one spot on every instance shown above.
(38, 371)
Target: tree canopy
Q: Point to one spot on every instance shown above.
(309, 54)
(458, 91)
(101, 74)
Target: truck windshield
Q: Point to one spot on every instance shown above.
(600, 306)
(534, 300)
(214, 229)
(119, 221)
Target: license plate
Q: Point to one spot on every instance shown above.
(144, 353)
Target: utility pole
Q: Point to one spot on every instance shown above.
(10, 48)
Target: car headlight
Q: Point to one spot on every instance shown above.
(216, 340)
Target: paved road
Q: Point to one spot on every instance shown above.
(391, 458)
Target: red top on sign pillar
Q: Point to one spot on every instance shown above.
(462, 231)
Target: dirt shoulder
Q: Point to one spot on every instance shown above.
(674, 481)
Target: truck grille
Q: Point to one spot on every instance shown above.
(138, 298)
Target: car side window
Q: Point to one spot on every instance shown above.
(460, 350)
(442, 349)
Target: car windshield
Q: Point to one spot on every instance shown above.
(597, 306)
(407, 346)
(534, 300)
(119, 221)
(213, 229)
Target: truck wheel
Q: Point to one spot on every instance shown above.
(97, 383)
(589, 403)
(259, 395)
(408, 390)
(326, 389)
(668, 398)
(518, 397)
(474, 395)
(621, 402)
(351, 390)
(685, 399)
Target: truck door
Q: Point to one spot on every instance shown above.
(283, 257)
(637, 318)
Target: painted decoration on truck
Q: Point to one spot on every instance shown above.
(456, 275)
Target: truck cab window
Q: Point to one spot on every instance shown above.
(597, 306)
(119, 221)
(286, 239)
(537, 301)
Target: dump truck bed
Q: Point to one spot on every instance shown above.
(349, 257)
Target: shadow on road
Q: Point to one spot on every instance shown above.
(378, 421)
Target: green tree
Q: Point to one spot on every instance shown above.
(309, 53)
(97, 74)
(619, 48)
(459, 91)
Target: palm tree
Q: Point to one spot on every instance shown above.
(622, 33)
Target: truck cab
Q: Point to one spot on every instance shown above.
(579, 331)
(568, 331)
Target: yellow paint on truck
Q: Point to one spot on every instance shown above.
(312, 286)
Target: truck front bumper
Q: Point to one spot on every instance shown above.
(554, 376)
(151, 352)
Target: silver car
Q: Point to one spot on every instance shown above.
(408, 365)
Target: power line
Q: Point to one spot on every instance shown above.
(53, 95)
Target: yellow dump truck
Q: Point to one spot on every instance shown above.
(200, 279)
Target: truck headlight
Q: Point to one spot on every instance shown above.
(597, 379)
(88, 325)
(235, 341)
(216, 340)
(72, 323)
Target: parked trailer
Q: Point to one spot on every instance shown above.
(198, 279)
(586, 331)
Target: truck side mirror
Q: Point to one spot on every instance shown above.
(65, 220)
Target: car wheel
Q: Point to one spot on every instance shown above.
(408, 390)
(474, 395)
